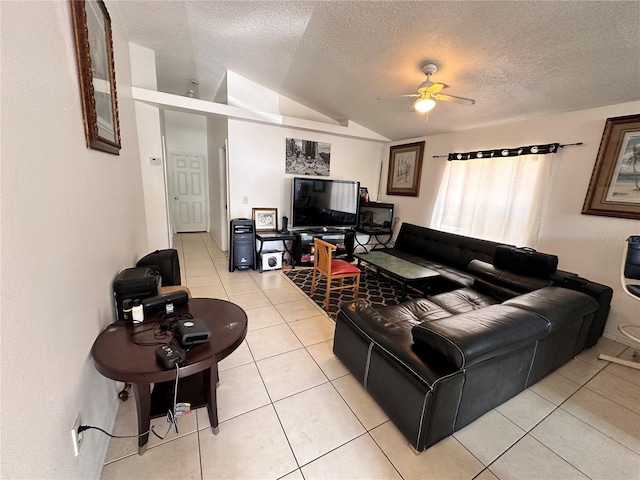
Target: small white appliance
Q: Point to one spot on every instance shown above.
(270, 260)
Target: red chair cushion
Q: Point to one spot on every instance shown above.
(340, 267)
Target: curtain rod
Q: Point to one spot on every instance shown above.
(561, 146)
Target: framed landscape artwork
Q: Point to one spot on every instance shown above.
(405, 167)
(96, 72)
(306, 157)
(614, 189)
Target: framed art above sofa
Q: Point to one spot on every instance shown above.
(614, 189)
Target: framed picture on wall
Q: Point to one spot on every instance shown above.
(96, 72)
(307, 157)
(405, 167)
(266, 219)
(614, 190)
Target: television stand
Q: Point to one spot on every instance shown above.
(303, 249)
(326, 231)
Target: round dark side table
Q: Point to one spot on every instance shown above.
(116, 356)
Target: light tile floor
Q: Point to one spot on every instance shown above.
(289, 409)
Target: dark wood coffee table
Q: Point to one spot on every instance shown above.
(395, 267)
(117, 357)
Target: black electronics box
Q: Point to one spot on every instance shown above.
(158, 303)
(166, 262)
(191, 332)
(135, 283)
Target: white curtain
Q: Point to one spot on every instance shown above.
(499, 199)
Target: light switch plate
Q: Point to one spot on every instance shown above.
(155, 160)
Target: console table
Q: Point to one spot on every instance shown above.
(379, 236)
(117, 357)
(283, 237)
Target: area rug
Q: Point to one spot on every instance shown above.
(379, 291)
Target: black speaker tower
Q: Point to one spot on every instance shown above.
(242, 251)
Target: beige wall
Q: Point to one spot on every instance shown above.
(586, 244)
(71, 218)
(257, 165)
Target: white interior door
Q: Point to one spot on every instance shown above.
(188, 179)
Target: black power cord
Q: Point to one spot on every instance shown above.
(83, 428)
(171, 419)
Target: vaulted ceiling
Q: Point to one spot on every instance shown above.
(517, 59)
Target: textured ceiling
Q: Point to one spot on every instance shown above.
(517, 59)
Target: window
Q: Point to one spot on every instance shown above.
(499, 199)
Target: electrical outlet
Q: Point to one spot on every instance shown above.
(245, 199)
(76, 437)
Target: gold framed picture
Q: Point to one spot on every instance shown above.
(96, 72)
(614, 189)
(405, 167)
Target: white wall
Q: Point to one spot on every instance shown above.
(185, 132)
(217, 133)
(589, 245)
(149, 125)
(71, 218)
(153, 184)
(257, 165)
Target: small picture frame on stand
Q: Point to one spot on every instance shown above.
(266, 219)
(364, 195)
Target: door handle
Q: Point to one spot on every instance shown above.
(175, 198)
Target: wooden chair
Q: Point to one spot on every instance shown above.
(333, 269)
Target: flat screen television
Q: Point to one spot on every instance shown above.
(319, 203)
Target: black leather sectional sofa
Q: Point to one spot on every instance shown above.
(498, 320)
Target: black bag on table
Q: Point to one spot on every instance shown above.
(166, 262)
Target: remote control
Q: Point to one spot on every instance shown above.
(170, 355)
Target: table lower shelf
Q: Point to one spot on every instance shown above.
(190, 390)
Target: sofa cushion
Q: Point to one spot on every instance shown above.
(470, 338)
(501, 283)
(462, 300)
(413, 311)
(499, 292)
(448, 248)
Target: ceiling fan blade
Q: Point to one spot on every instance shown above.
(400, 96)
(437, 87)
(453, 98)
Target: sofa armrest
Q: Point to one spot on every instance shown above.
(470, 338)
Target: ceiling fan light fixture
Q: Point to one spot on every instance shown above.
(424, 105)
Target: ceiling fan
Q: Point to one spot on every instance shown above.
(429, 92)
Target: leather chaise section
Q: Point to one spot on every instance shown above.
(569, 315)
(394, 338)
(471, 338)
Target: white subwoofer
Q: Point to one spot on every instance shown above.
(270, 260)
